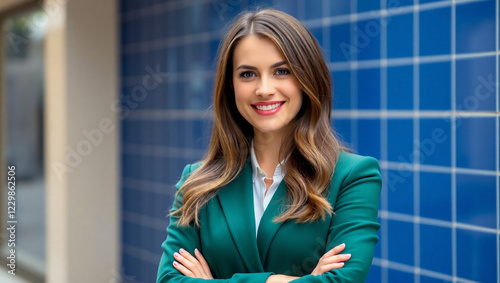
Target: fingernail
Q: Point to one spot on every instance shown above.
(343, 244)
(175, 263)
(196, 251)
(341, 263)
(176, 254)
(347, 255)
(182, 251)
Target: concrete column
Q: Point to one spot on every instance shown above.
(82, 141)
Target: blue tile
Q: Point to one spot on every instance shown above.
(221, 13)
(131, 269)
(435, 196)
(400, 237)
(435, 86)
(400, 140)
(318, 34)
(435, 142)
(313, 9)
(364, 6)
(400, 276)
(369, 137)
(395, 4)
(436, 39)
(287, 6)
(430, 1)
(475, 27)
(400, 36)
(400, 87)
(400, 191)
(340, 43)
(368, 89)
(426, 279)
(378, 247)
(150, 269)
(476, 84)
(477, 259)
(342, 128)
(341, 89)
(476, 143)
(366, 39)
(476, 200)
(339, 7)
(436, 249)
(374, 275)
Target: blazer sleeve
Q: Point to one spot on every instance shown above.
(188, 238)
(354, 223)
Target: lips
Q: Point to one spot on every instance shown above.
(267, 108)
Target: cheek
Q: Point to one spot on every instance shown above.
(240, 98)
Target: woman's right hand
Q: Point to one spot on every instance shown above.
(331, 260)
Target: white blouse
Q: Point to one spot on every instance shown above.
(260, 198)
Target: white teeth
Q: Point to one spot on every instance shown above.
(268, 107)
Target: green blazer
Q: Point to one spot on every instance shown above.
(226, 236)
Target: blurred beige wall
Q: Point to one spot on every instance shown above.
(82, 145)
(82, 139)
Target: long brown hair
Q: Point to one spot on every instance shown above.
(311, 147)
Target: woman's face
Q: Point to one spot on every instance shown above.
(267, 94)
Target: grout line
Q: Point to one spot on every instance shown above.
(145, 46)
(156, 223)
(155, 9)
(148, 186)
(383, 144)
(405, 167)
(142, 254)
(409, 218)
(410, 269)
(453, 144)
(354, 76)
(162, 151)
(170, 114)
(497, 19)
(416, 138)
(326, 30)
(399, 10)
(406, 61)
(407, 114)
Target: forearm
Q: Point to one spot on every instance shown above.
(236, 278)
(278, 278)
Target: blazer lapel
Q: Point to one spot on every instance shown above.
(236, 200)
(267, 227)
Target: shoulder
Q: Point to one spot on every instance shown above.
(351, 167)
(186, 172)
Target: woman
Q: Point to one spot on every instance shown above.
(276, 198)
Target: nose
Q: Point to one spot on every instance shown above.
(265, 87)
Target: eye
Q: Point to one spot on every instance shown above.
(282, 72)
(247, 74)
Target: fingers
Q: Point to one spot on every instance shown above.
(183, 269)
(203, 262)
(336, 259)
(328, 267)
(336, 250)
(331, 260)
(190, 263)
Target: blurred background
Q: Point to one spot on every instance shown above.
(102, 103)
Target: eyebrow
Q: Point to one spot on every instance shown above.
(254, 68)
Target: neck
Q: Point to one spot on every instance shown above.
(267, 147)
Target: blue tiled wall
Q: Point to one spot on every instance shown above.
(414, 87)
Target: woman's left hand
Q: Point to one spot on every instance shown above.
(196, 267)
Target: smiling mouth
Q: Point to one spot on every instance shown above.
(268, 107)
